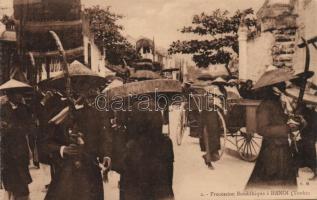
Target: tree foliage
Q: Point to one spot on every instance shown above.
(222, 30)
(107, 35)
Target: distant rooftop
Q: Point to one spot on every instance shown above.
(5, 35)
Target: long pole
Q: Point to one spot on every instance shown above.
(79, 139)
(64, 63)
(153, 50)
(307, 63)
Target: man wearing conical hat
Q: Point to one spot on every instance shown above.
(14, 128)
(77, 139)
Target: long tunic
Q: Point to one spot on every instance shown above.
(44, 113)
(71, 182)
(275, 165)
(211, 131)
(306, 155)
(14, 149)
(148, 160)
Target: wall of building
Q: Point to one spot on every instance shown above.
(257, 56)
(55, 68)
(98, 61)
(8, 51)
(307, 29)
(282, 27)
(260, 55)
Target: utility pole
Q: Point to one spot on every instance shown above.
(153, 50)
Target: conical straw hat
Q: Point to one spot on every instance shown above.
(274, 76)
(13, 84)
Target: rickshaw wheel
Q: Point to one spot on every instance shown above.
(248, 145)
(182, 127)
(223, 137)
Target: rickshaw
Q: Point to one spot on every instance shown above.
(238, 126)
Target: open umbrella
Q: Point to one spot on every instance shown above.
(145, 75)
(111, 78)
(157, 86)
(305, 75)
(302, 77)
(13, 84)
(205, 77)
(274, 76)
(143, 65)
(81, 78)
(113, 84)
(219, 81)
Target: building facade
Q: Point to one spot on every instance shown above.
(40, 58)
(94, 57)
(281, 26)
(8, 51)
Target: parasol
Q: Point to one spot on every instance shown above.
(205, 77)
(111, 78)
(145, 87)
(113, 84)
(145, 75)
(273, 77)
(144, 65)
(302, 77)
(219, 81)
(13, 84)
(305, 75)
(81, 77)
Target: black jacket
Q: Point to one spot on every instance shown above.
(69, 181)
(14, 148)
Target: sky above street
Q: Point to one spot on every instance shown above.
(161, 19)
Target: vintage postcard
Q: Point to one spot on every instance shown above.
(158, 99)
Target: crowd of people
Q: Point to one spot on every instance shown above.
(286, 124)
(81, 144)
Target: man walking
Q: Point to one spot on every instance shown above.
(15, 126)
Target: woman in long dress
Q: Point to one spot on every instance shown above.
(147, 172)
(275, 165)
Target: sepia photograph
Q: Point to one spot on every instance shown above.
(158, 99)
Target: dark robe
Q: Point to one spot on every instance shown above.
(148, 162)
(192, 111)
(71, 182)
(45, 113)
(119, 140)
(210, 128)
(14, 149)
(306, 155)
(211, 132)
(275, 166)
